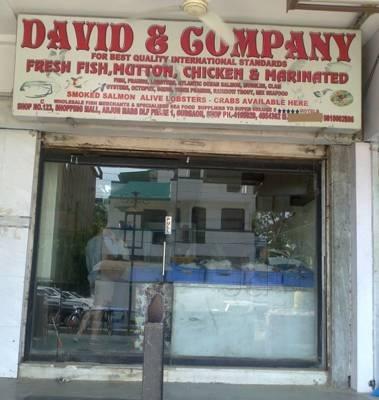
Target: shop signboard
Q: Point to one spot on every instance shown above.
(181, 72)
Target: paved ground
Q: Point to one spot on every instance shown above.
(52, 390)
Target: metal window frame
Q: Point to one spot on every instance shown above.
(179, 161)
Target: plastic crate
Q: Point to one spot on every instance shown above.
(299, 279)
(119, 319)
(179, 273)
(147, 274)
(263, 278)
(224, 276)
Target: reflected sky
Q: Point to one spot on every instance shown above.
(103, 186)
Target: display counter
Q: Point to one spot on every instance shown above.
(243, 321)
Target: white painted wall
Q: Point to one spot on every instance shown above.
(371, 96)
(7, 59)
(17, 158)
(362, 270)
(375, 189)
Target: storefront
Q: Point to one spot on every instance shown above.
(239, 267)
(238, 228)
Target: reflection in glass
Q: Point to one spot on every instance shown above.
(239, 279)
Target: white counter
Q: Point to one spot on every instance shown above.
(244, 321)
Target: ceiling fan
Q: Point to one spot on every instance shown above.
(197, 9)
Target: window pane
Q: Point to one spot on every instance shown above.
(232, 219)
(199, 224)
(99, 261)
(240, 277)
(248, 289)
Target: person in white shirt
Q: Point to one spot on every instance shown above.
(107, 258)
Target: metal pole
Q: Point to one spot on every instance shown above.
(131, 273)
(152, 384)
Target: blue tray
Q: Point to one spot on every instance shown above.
(299, 279)
(147, 274)
(224, 276)
(263, 278)
(178, 273)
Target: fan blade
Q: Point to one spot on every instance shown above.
(216, 24)
(155, 12)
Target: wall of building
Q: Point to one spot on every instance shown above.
(340, 183)
(371, 134)
(18, 149)
(17, 161)
(362, 269)
(7, 49)
(350, 280)
(371, 89)
(17, 174)
(375, 189)
(19, 178)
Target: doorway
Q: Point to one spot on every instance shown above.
(234, 251)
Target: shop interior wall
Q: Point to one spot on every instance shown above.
(17, 162)
(71, 194)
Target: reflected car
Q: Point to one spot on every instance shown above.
(62, 308)
(48, 291)
(76, 298)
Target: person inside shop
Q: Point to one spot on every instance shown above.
(107, 260)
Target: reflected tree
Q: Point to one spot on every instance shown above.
(273, 227)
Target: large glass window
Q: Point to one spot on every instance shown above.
(239, 272)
